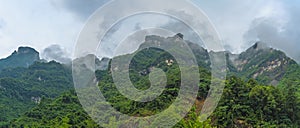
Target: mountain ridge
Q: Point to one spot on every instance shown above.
(23, 57)
(274, 64)
(243, 104)
(260, 62)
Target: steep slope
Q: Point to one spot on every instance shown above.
(24, 57)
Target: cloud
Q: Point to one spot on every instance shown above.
(241, 23)
(59, 22)
(57, 53)
(2, 23)
(177, 26)
(123, 30)
(81, 8)
(232, 18)
(279, 30)
(36, 24)
(124, 7)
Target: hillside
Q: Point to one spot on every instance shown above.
(243, 104)
(248, 99)
(23, 88)
(68, 112)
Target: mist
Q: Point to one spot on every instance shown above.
(56, 53)
(278, 32)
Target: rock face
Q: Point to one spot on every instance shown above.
(24, 57)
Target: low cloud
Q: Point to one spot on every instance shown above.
(240, 25)
(57, 53)
(278, 32)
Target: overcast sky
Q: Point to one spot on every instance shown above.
(40, 24)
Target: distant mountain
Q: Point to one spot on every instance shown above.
(23, 57)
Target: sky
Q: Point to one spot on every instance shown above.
(56, 24)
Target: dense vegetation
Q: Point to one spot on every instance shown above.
(22, 88)
(60, 112)
(64, 111)
(246, 104)
(243, 104)
(38, 94)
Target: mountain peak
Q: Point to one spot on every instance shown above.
(179, 35)
(259, 45)
(23, 57)
(24, 50)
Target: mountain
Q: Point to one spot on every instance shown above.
(266, 65)
(23, 57)
(247, 101)
(259, 62)
(66, 110)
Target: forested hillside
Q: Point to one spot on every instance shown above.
(23, 88)
(244, 104)
(262, 89)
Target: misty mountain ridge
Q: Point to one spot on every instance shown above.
(260, 62)
(31, 87)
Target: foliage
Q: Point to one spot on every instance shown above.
(64, 111)
(22, 88)
(253, 105)
(243, 104)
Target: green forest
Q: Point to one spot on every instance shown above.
(42, 94)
